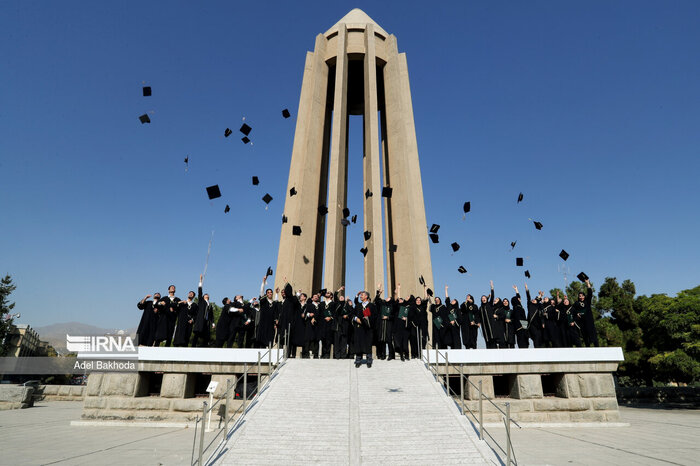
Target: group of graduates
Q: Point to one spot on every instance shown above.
(394, 325)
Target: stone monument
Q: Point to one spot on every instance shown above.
(355, 69)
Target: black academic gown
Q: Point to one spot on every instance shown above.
(499, 324)
(171, 312)
(186, 314)
(362, 329)
(488, 321)
(439, 317)
(265, 325)
(585, 313)
(521, 336)
(147, 325)
(223, 326)
(535, 323)
(453, 338)
(204, 317)
(470, 328)
(552, 333)
(573, 330)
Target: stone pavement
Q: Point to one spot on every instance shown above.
(329, 412)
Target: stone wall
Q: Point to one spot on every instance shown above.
(61, 392)
(16, 397)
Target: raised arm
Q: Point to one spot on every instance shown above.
(199, 289)
(492, 296)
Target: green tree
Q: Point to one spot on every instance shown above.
(6, 288)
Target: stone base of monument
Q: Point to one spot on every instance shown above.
(16, 397)
(562, 385)
(169, 386)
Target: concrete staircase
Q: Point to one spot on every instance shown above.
(329, 412)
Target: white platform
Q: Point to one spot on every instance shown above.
(528, 355)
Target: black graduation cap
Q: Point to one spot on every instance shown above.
(393, 248)
(564, 255)
(346, 212)
(256, 181)
(245, 139)
(245, 129)
(461, 269)
(512, 244)
(267, 198)
(455, 246)
(434, 238)
(467, 207)
(354, 218)
(582, 276)
(284, 219)
(527, 273)
(213, 191)
(227, 132)
(144, 118)
(146, 91)
(285, 113)
(322, 291)
(368, 235)
(434, 228)
(421, 280)
(429, 292)
(386, 191)
(364, 251)
(538, 225)
(227, 209)
(368, 194)
(292, 191)
(296, 230)
(322, 210)
(519, 261)
(345, 222)
(187, 159)
(520, 197)
(269, 272)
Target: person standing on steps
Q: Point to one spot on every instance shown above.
(364, 318)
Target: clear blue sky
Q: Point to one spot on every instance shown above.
(590, 108)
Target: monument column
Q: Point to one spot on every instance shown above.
(334, 274)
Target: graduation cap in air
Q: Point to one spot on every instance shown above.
(393, 248)
(245, 139)
(346, 212)
(267, 198)
(461, 269)
(354, 218)
(368, 194)
(284, 219)
(455, 246)
(345, 222)
(285, 113)
(527, 273)
(213, 191)
(582, 276)
(538, 225)
(227, 209)
(421, 280)
(429, 292)
(146, 91)
(256, 181)
(187, 160)
(386, 192)
(144, 118)
(434, 228)
(245, 129)
(227, 132)
(519, 261)
(467, 207)
(364, 251)
(512, 245)
(296, 230)
(368, 235)
(292, 191)
(269, 272)
(564, 255)
(520, 198)
(322, 210)
(434, 238)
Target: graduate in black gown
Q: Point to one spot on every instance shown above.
(363, 320)
(552, 335)
(562, 323)
(535, 323)
(265, 321)
(313, 317)
(506, 314)
(418, 319)
(519, 321)
(204, 320)
(488, 320)
(573, 330)
(186, 312)
(454, 340)
(401, 325)
(341, 323)
(439, 318)
(171, 310)
(223, 325)
(472, 322)
(385, 322)
(237, 322)
(147, 325)
(585, 313)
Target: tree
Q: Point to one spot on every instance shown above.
(6, 288)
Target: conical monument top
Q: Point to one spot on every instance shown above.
(357, 17)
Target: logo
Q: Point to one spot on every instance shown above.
(121, 344)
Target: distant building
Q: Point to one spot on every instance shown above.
(24, 341)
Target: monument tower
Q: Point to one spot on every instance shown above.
(355, 69)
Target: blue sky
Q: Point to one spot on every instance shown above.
(591, 109)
